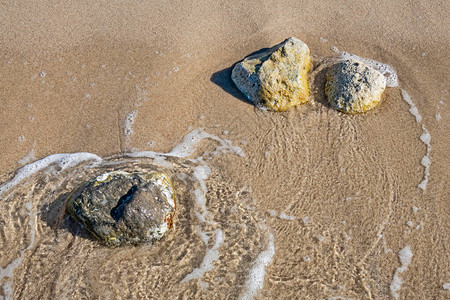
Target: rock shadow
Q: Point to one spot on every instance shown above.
(318, 78)
(222, 78)
(56, 217)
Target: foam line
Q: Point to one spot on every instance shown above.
(255, 280)
(211, 256)
(405, 255)
(63, 160)
(282, 215)
(392, 81)
(413, 110)
(188, 146)
(425, 138)
(426, 160)
(286, 217)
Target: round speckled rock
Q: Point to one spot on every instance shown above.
(353, 87)
(276, 79)
(125, 208)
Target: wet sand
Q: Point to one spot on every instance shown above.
(317, 204)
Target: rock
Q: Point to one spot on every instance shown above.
(276, 79)
(353, 87)
(125, 208)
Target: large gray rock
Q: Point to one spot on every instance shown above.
(276, 79)
(125, 208)
(353, 87)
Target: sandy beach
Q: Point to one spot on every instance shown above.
(305, 204)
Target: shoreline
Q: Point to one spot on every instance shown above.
(317, 204)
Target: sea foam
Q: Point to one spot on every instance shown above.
(405, 255)
(255, 279)
(62, 160)
(188, 146)
(210, 257)
(392, 81)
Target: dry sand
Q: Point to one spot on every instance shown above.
(322, 205)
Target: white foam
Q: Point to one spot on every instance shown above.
(306, 220)
(282, 215)
(438, 116)
(425, 138)
(405, 255)
(211, 256)
(161, 161)
(129, 120)
(205, 236)
(201, 173)
(347, 237)
(200, 199)
(187, 146)
(419, 226)
(255, 280)
(446, 286)
(286, 217)
(413, 110)
(385, 69)
(63, 160)
(426, 160)
(148, 154)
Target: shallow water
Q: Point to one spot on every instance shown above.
(306, 204)
(290, 194)
(217, 235)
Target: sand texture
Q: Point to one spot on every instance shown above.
(310, 203)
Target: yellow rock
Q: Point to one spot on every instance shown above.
(353, 87)
(276, 79)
